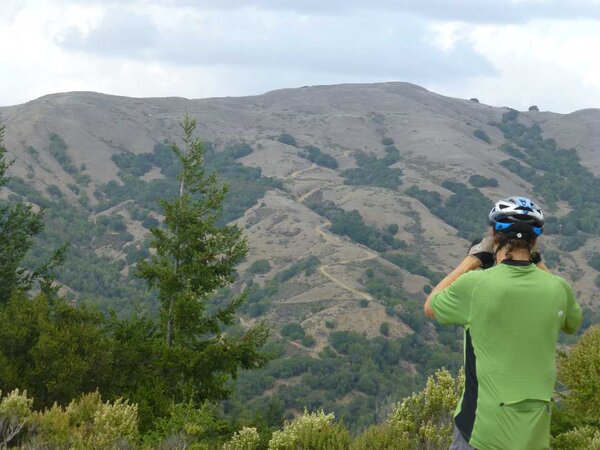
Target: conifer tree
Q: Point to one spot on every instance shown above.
(19, 223)
(194, 255)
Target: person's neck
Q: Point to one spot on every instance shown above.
(520, 254)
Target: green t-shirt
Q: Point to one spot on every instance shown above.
(512, 315)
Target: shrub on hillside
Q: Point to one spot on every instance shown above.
(480, 134)
(481, 181)
(319, 158)
(594, 261)
(260, 266)
(287, 139)
(384, 328)
(293, 331)
(308, 341)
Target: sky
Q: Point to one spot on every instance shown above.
(513, 53)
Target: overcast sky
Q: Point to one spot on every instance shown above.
(505, 52)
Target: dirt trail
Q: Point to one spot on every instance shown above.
(298, 172)
(323, 267)
(333, 238)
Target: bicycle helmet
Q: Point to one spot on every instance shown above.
(517, 215)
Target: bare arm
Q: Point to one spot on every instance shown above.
(467, 264)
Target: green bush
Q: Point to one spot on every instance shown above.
(293, 331)
(481, 181)
(351, 224)
(387, 141)
(260, 266)
(307, 265)
(572, 243)
(575, 371)
(452, 210)
(427, 416)
(551, 258)
(375, 172)
(411, 262)
(312, 431)
(287, 139)
(245, 439)
(384, 328)
(58, 149)
(581, 438)
(308, 341)
(363, 302)
(392, 229)
(480, 134)
(54, 191)
(594, 261)
(318, 157)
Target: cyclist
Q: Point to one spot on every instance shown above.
(512, 314)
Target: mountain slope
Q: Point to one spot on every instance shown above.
(434, 136)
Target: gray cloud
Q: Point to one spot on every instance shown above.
(378, 45)
(121, 33)
(474, 11)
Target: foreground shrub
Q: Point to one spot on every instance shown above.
(245, 439)
(427, 416)
(583, 438)
(15, 416)
(87, 423)
(187, 426)
(580, 372)
(383, 437)
(312, 431)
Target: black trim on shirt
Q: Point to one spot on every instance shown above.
(465, 419)
(512, 262)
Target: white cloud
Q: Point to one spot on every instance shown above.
(545, 62)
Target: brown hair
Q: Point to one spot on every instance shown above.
(511, 242)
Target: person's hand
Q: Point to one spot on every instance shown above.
(535, 257)
(483, 250)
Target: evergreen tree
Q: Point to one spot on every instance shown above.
(19, 223)
(193, 256)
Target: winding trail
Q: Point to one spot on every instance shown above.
(330, 237)
(323, 267)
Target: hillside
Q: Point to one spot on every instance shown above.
(400, 156)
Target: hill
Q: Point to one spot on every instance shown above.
(354, 198)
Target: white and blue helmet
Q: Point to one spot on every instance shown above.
(518, 214)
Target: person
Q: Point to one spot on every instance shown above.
(512, 314)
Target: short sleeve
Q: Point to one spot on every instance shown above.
(453, 304)
(573, 314)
